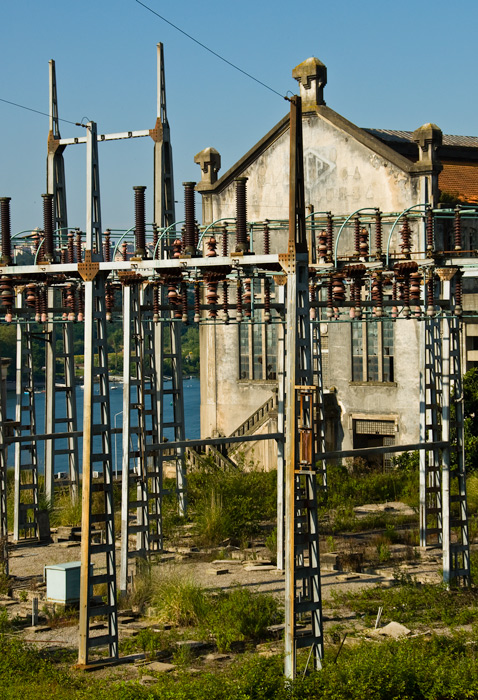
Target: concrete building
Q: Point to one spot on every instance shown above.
(371, 372)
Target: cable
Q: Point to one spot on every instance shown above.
(37, 111)
(210, 50)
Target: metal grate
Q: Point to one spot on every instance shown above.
(374, 427)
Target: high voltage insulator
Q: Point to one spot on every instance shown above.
(322, 245)
(7, 296)
(458, 310)
(107, 245)
(6, 230)
(239, 301)
(140, 221)
(267, 301)
(247, 298)
(405, 237)
(48, 244)
(430, 294)
(189, 247)
(430, 231)
(224, 240)
(266, 232)
(225, 301)
(330, 235)
(78, 246)
(457, 229)
(357, 236)
(241, 215)
(197, 303)
(378, 234)
(363, 242)
(312, 298)
(184, 302)
(377, 294)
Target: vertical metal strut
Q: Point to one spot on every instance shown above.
(3, 476)
(431, 427)
(25, 514)
(97, 455)
(319, 405)
(303, 604)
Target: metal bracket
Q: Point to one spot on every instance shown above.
(88, 269)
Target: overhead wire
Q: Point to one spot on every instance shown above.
(214, 53)
(37, 111)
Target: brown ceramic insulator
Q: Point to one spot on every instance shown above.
(211, 245)
(79, 251)
(124, 251)
(239, 301)
(156, 303)
(457, 229)
(155, 241)
(183, 234)
(225, 300)
(6, 230)
(241, 215)
(430, 230)
(30, 295)
(64, 315)
(197, 303)
(43, 304)
(224, 240)
(267, 301)
(247, 297)
(81, 303)
(63, 255)
(190, 219)
(211, 297)
(377, 290)
(405, 237)
(330, 234)
(37, 306)
(109, 300)
(378, 233)
(176, 248)
(6, 294)
(357, 235)
(196, 235)
(322, 245)
(184, 302)
(267, 238)
(70, 301)
(140, 221)
(406, 290)
(394, 290)
(70, 247)
(48, 227)
(107, 246)
(415, 286)
(458, 294)
(430, 291)
(338, 289)
(363, 242)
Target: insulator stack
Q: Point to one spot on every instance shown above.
(79, 255)
(312, 298)
(330, 310)
(330, 235)
(155, 242)
(70, 248)
(458, 294)
(81, 303)
(241, 215)
(247, 298)
(224, 240)
(430, 295)
(63, 256)
(377, 294)
(107, 246)
(71, 301)
(155, 303)
(197, 303)
(64, 315)
(211, 245)
(267, 301)
(267, 238)
(173, 297)
(211, 295)
(363, 242)
(196, 235)
(338, 290)
(176, 248)
(405, 237)
(415, 290)
(322, 245)
(357, 236)
(430, 232)
(378, 234)
(124, 251)
(38, 306)
(140, 221)
(6, 230)
(190, 218)
(31, 295)
(43, 304)
(239, 301)
(109, 300)
(37, 246)
(184, 302)
(357, 297)
(7, 297)
(48, 247)
(394, 298)
(225, 301)
(457, 228)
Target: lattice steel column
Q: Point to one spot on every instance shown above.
(319, 404)
(97, 455)
(25, 514)
(3, 476)
(303, 604)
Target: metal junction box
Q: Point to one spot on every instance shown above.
(63, 582)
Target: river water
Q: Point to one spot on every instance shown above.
(191, 417)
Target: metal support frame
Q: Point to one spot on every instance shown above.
(3, 478)
(96, 435)
(25, 513)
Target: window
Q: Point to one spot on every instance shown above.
(258, 342)
(375, 433)
(372, 351)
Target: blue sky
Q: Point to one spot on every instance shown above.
(389, 66)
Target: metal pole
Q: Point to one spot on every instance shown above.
(446, 534)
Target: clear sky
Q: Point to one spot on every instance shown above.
(390, 65)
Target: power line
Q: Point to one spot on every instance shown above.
(37, 111)
(233, 65)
